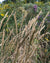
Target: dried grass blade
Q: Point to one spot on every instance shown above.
(8, 19)
(3, 20)
(15, 22)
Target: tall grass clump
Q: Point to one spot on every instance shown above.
(26, 46)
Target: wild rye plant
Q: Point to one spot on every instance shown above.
(27, 45)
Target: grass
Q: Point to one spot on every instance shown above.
(27, 46)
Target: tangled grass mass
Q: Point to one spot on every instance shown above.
(25, 34)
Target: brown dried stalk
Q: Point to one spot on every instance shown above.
(2, 45)
(3, 20)
(3, 39)
(15, 22)
(8, 19)
(41, 36)
(9, 35)
(23, 20)
(42, 23)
